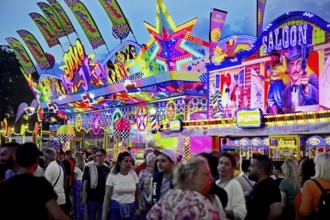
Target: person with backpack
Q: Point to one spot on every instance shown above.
(316, 192)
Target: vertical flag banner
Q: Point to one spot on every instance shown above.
(37, 52)
(87, 23)
(52, 18)
(45, 29)
(22, 56)
(260, 15)
(217, 22)
(120, 28)
(62, 16)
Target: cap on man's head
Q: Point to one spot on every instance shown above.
(27, 154)
(170, 154)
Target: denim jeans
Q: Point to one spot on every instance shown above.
(93, 208)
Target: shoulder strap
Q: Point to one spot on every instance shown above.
(247, 181)
(319, 185)
(58, 176)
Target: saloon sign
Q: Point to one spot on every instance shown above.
(288, 36)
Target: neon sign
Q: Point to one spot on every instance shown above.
(80, 70)
(288, 36)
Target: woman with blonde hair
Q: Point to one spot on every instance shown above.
(79, 210)
(289, 187)
(311, 192)
(187, 200)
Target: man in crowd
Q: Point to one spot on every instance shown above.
(7, 157)
(264, 201)
(27, 197)
(94, 179)
(303, 88)
(143, 165)
(54, 173)
(162, 180)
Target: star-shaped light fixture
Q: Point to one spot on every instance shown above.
(171, 49)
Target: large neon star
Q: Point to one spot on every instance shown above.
(171, 50)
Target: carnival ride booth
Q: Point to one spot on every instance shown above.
(131, 97)
(283, 146)
(315, 145)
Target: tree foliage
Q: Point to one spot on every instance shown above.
(13, 86)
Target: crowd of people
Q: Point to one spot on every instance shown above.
(52, 184)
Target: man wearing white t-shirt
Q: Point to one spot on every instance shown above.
(55, 175)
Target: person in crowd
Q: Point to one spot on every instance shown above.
(8, 159)
(162, 180)
(7, 152)
(69, 165)
(278, 173)
(215, 190)
(264, 201)
(306, 170)
(236, 208)
(143, 165)
(246, 183)
(145, 177)
(18, 192)
(122, 198)
(303, 88)
(94, 179)
(54, 173)
(89, 152)
(129, 150)
(311, 193)
(187, 200)
(289, 187)
(79, 210)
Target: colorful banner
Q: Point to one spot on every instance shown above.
(36, 50)
(22, 56)
(52, 18)
(261, 4)
(45, 29)
(63, 17)
(217, 22)
(120, 28)
(87, 23)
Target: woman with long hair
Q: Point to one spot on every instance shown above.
(289, 187)
(122, 198)
(306, 170)
(79, 210)
(187, 200)
(311, 193)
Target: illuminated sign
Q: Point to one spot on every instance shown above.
(245, 142)
(257, 142)
(175, 125)
(288, 36)
(248, 118)
(315, 141)
(327, 141)
(80, 70)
